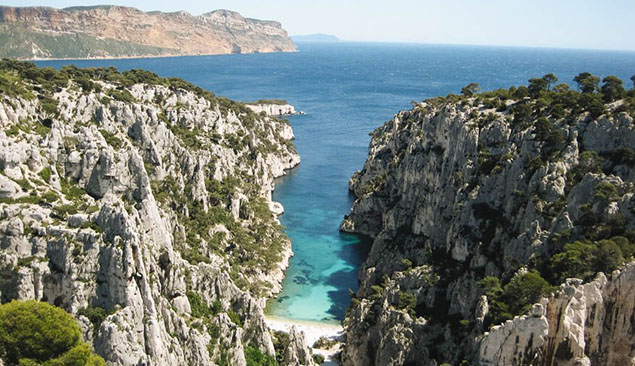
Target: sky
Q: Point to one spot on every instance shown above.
(591, 24)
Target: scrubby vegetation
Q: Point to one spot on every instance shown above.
(270, 101)
(324, 343)
(255, 357)
(36, 333)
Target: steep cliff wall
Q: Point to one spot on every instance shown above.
(476, 205)
(115, 31)
(142, 206)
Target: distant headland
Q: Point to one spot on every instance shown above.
(107, 31)
(321, 38)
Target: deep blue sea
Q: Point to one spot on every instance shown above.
(347, 90)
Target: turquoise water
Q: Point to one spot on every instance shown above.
(347, 90)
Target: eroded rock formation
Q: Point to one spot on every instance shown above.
(141, 206)
(461, 189)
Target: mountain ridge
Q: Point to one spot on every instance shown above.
(109, 31)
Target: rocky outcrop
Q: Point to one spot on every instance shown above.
(297, 352)
(273, 109)
(581, 324)
(141, 206)
(116, 31)
(458, 189)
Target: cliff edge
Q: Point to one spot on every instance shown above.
(141, 206)
(481, 205)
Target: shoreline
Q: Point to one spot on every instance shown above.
(312, 330)
(141, 57)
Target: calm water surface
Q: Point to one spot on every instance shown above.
(347, 90)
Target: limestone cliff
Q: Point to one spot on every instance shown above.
(116, 31)
(471, 201)
(141, 205)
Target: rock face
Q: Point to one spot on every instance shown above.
(297, 352)
(141, 207)
(115, 31)
(456, 190)
(580, 325)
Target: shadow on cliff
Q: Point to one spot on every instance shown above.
(354, 254)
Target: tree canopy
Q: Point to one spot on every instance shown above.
(470, 89)
(33, 332)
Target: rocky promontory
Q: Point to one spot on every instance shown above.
(503, 225)
(116, 31)
(273, 107)
(141, 206)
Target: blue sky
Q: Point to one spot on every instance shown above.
(596, 24)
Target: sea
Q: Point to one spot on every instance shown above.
(347, 90)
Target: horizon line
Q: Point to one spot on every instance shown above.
(432, 43)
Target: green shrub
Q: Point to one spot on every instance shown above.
(318, 359)
(64, 211)
(80, 355)
(111, 139)
(324, 343)
(34, 332)
(235, 318)
(121, 95)
(50, 196)
(96, 315)
(584, 259)
(45, 174)
(491, 286)
(524, 290)
(255, 357)
(200, 309)
(606, 191)
(280, 343)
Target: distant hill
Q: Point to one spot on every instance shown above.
(116, 31)
(324, 38)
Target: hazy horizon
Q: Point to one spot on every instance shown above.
(581, 24)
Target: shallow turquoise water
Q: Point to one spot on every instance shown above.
(347, 90)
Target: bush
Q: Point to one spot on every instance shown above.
(45, 174)
(80, 355)
(96, 315)
(324, 343)
(584, 259)
(572, 262)
(255, 357)
(524, 290)
(200, 309)
(318, 359)
(33, 332)
(280, 344)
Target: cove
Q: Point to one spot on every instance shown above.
(347, 90)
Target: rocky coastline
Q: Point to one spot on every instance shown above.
(481, 205)
(141, 206)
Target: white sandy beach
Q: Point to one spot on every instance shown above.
(312, 332)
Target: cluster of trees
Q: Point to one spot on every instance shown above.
(581, 259)
(514, 298)
(612, 87)
(36, 333)
(549, 99)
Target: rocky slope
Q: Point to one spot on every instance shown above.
(143, 207)
(115, 31)
(477, 205)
